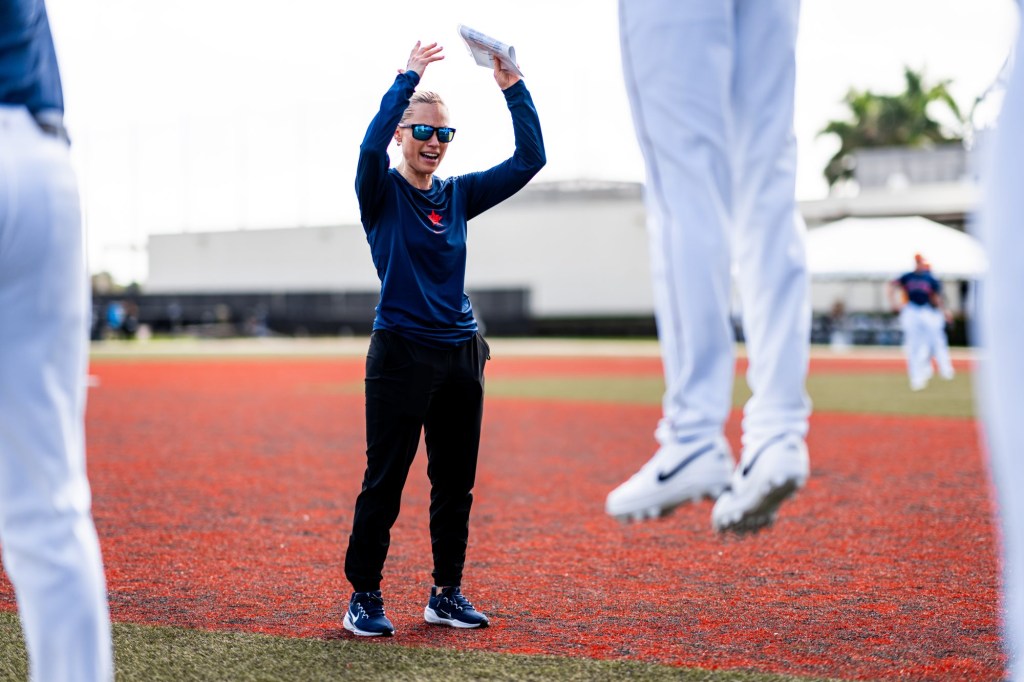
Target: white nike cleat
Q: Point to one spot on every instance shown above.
(761, 483)
(676, 474)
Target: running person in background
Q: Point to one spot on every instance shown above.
(917, 297)
(711, 84)
(425, 365)
(50, 548)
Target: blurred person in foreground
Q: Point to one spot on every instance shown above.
(1000, 226)
(50, 548)
(916, 296)
(425, 364)
(711, 85)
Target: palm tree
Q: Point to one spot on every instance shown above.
(899, 120)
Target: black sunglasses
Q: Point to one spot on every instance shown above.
(423, 132)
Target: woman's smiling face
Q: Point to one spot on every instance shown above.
(422, 157)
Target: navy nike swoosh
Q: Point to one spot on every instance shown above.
(753, 460)
(665, 475)
(689, 439)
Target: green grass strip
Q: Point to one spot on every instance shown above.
(866, 393)
(158, 654)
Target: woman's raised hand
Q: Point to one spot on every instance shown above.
(422, 55)
(504, 78)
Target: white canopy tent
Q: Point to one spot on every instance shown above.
(883, 248)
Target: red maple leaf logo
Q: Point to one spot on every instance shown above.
(435, 219)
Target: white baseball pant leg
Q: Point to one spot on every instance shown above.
(50, 547)
(917, 337)
(939, 343)
(681, 70)
(1001, 385)
(768, 230)
(677, 60)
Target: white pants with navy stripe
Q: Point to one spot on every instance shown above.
(1001, 382)
(50, 547)
(711, 85)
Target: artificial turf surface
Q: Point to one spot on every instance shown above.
(175, 654)
(223, 495)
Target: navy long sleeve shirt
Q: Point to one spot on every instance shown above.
(418, 237)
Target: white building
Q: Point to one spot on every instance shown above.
(577, 249)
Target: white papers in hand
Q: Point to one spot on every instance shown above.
(484, 49)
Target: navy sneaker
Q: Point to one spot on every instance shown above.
(450, 607)
(365, 615)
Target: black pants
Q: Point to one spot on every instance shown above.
(412, 388)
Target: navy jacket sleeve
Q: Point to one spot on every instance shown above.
(490, 187)
(29, 74)
(372, 167)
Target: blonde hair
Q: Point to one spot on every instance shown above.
(421, 97)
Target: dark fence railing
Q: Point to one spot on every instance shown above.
(504, 311)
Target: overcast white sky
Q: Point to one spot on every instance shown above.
(243, 114)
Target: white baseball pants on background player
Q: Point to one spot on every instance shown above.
(50, 547)
(924, 338)
(938, 343)
(1001, 385)
(711, 85)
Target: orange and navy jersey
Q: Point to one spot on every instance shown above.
(920, 287)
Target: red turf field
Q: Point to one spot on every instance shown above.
(224, 493)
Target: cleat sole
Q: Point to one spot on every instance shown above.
(658, 511)
(764, 514)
